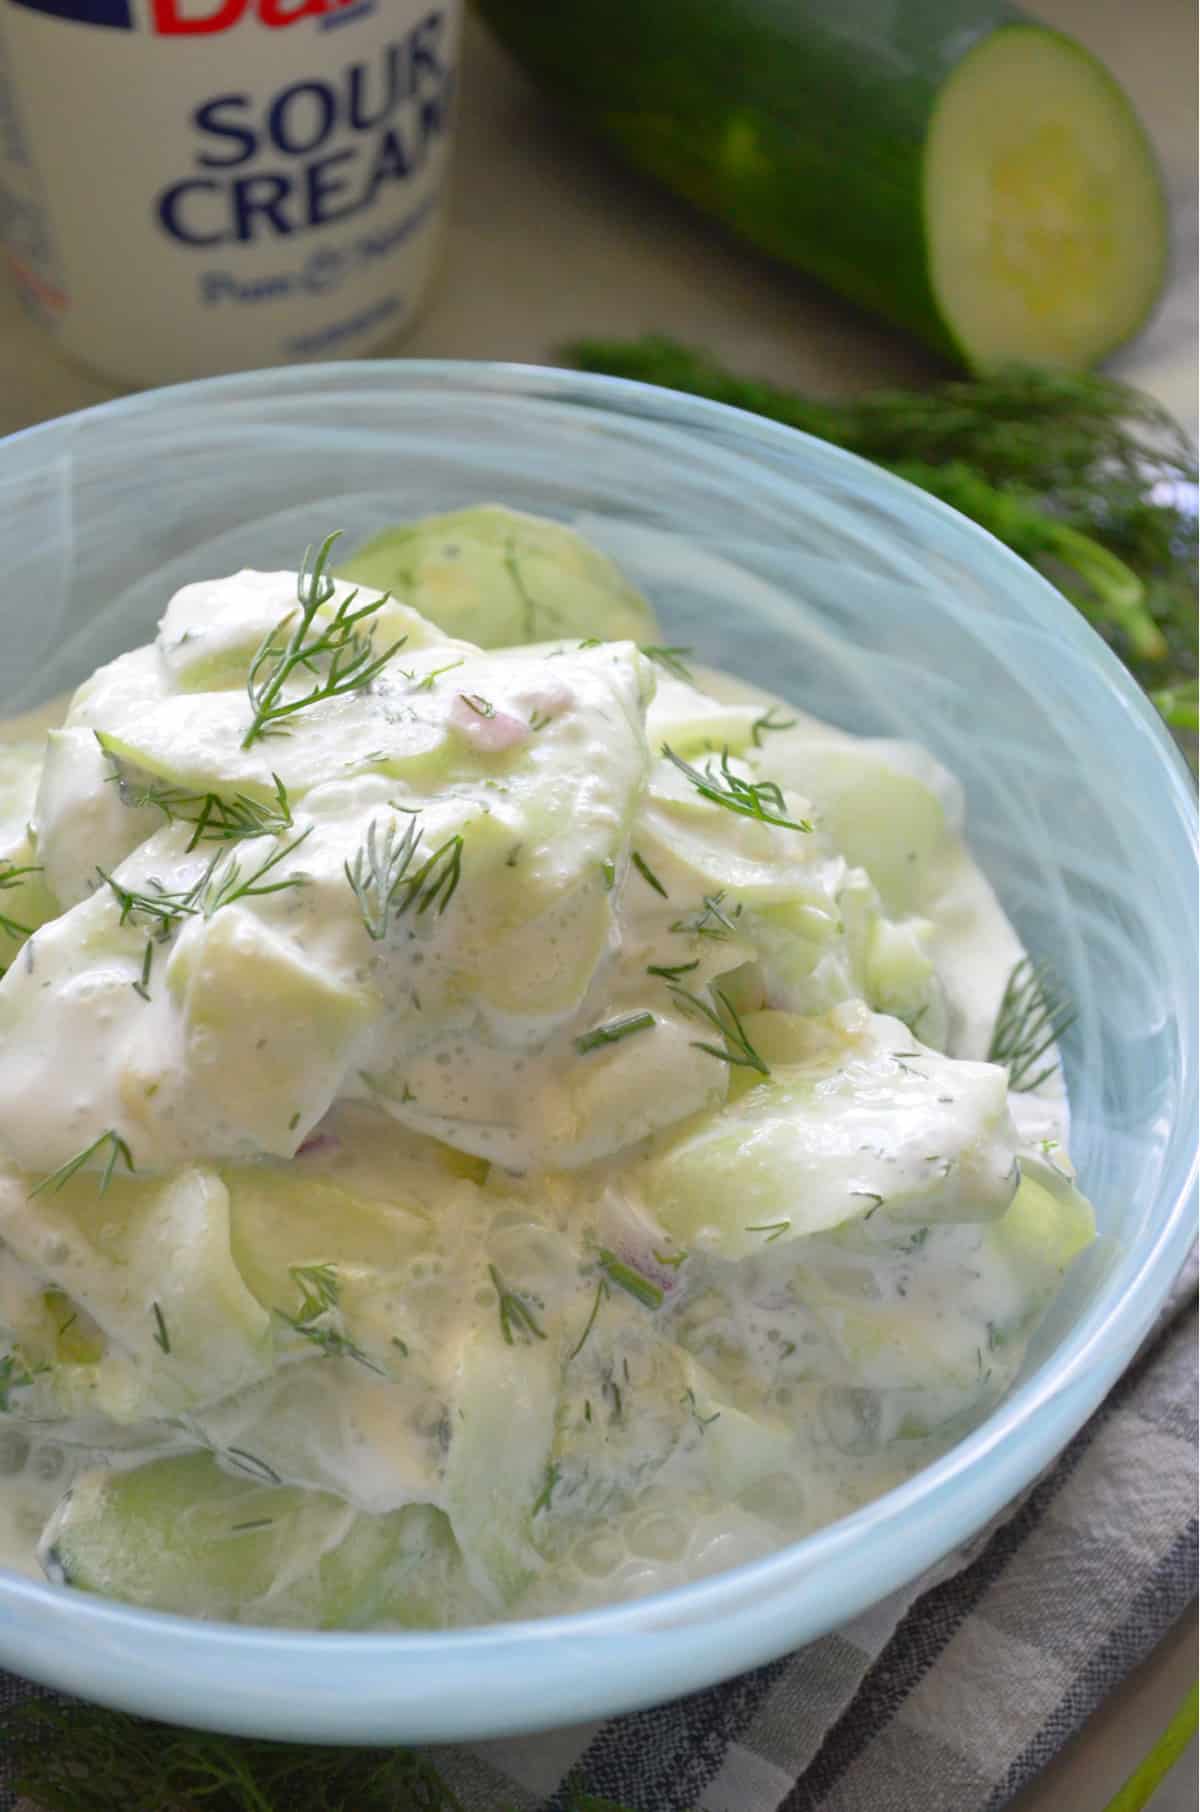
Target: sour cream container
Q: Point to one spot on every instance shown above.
(196, 186)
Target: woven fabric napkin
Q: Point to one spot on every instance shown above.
(950, 1695)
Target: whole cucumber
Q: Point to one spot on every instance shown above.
(967, 173)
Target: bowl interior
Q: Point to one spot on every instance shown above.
(794, 566)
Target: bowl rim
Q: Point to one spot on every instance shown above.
(640, 1652)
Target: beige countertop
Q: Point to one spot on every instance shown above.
(549, 238)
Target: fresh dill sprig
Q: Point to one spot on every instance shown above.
(601, 1293)
(710, 919)
(222, 882)
(759, 799)
(643, 1289)
(515, 1312)
(614, 1031)
(669, 971)
(647, 873)
(1035, 1013)
(214, 818)
(9, 877)
(225, 882)
(161, 909)
(117, 1149)
(672, 660)
(352, 661)
(737, 1049)
(320, 1292)
(773, 1229)
(384, 882)
(767, 722)
(379, 868)
(475, 701)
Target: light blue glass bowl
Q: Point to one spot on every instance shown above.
(853, 595)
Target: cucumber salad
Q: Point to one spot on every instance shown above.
(495, 1118)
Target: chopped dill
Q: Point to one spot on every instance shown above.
(601, 1293)
(759, 799)
(672, 660)
(710, 919)
(702, 1422)
(542, 1500)
(9, 877)
(161, 909)
(384, 882)
(648, 875)
(1035, 1013)
(161, 1336)
(766, 722)
(214, 819)
(614, 1031)
(225, 883)
(643, 1289)
(320, 1292)
(142, 985)
(737, 1049)
(352, 661)
(425, 684)
(117, 1149)
(516, 1316)
(250, 1462)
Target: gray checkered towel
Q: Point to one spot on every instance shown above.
(953, 1693)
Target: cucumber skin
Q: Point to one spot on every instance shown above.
(834, 109)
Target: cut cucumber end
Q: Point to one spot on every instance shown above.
(1047, 223)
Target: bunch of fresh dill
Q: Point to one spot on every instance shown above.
(69, 1757)
(1091, 481)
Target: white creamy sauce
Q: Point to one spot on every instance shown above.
(484, 1111)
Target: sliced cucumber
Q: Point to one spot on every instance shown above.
(154, 1273)
(852, 1115)
(501, 578)
(242, 986)
(500, 1437)
(183, 1535)
(210, 632)
(81, 819)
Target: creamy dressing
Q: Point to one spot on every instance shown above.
(484, 1110)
